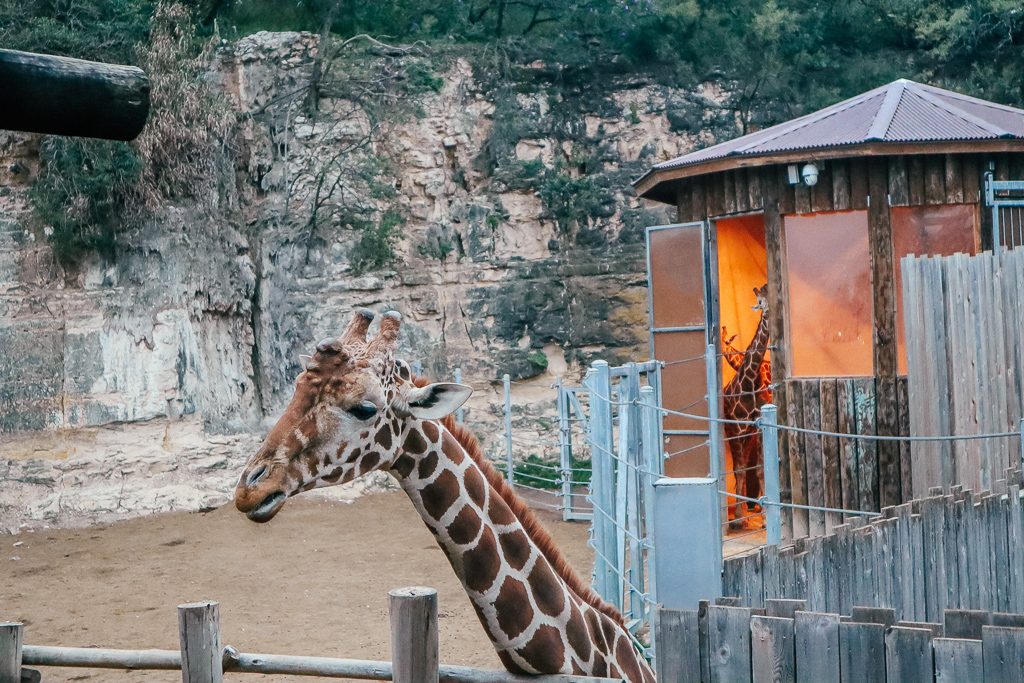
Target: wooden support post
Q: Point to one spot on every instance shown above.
(199, 633)
(64, 96)
(414, 634)
(10, 652)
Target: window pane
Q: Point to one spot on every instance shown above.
(830, 299)
(928, 231)
(677, 277)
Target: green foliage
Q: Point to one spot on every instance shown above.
(90, 191)
(83, 193)
(538, 358)
(574, 202)
(376, 245)
(422, 78)
(439, 243)
(101, 30)
(539, 473)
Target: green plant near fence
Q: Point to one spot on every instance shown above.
(536, 472)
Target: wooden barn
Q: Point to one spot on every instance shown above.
(822, 208)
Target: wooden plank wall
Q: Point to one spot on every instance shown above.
(948, 551)
(965, 364)
(845, 473)
(873, 184)
(745, 645)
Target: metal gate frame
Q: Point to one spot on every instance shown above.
(1013, 197)
(713, 379)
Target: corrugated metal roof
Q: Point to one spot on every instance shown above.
(901, 112)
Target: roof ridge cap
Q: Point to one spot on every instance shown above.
(966, 116)
(887, 112)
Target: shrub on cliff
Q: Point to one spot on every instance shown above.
(90, 192)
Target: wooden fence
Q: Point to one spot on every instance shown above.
(783, 644)
(964, 322)
(850, 474)
(201, 659)
(957, 550)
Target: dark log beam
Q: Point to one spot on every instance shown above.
(64, 96)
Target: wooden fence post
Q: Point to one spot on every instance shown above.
(414, 634)
(10, 652)
(199, 633)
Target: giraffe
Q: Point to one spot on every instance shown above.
(355, 409)
(742, 400)
(734, 357)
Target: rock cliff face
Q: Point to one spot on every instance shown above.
(140, 384)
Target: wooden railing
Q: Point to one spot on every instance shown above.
(202, 659)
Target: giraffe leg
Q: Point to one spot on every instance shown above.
(739, 509)
(734, 456)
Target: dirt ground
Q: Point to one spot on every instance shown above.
(313, 581)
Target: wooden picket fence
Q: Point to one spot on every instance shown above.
(964, 321)
(946, 551)
(781, 643)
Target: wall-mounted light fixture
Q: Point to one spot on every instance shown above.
(808, 175)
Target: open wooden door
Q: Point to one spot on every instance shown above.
(683, 304)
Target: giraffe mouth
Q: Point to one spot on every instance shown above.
(266, 510)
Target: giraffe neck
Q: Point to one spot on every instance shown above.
(750, 370)
(535, 620)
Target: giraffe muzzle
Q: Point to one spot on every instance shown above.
(269, 507)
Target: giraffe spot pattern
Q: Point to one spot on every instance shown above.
(440, 495)
(369, 463)
(499, 511)
(516, 547)
(403, 466)
(465, 527)
(452, 449)
(626, 658)
(515, 614)
(383, 438)
(576, 634)
(427, 466)
(415, 443)
(547, 589)
(430, 431)
(545, 651)
(476, 487)
(334, 475)
(482, 563)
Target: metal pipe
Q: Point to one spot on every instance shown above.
(460, 412)
(510, 470)
(714, 429)
(770, 453)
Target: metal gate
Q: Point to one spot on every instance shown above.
(1005, 198)
(682, 292)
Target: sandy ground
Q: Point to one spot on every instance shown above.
(313, 581)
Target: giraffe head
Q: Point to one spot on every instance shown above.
(346, 417)
(761, 294)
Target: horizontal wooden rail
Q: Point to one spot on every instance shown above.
(100, 658)
(292, 665)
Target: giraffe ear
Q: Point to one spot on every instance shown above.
(435, 401)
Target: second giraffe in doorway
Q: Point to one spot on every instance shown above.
(742, 400)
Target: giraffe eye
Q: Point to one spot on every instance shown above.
(363, 411)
